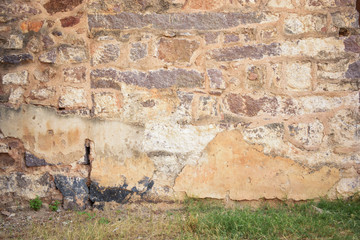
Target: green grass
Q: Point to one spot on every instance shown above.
(197, 219)
(323, 220)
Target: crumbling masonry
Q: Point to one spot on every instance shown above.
(152, 100)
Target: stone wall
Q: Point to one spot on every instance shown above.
(153, 100)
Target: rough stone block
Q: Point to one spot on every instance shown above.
(249, 106)
(280, 4)
(18, 78)
(44, 76)
(74, 190)
(345, 19)
(176, 50)
(242, 52)
(33, 161)
(104, 78)
(307, 135)
(352, 44)
(106, 104)
(345, 128)
(14, 42)
(211, 37)
(16, 95)
(54, 6)
(332, 70)
(298, 76)
(256, 76)
(138, 51)
(42, 93)
(216, 79)
(353, 72)
(34, 26)
(109, 78)
(297, 24)
(105, 54)
(348, 186)
(72, 97)
(72, 54)
(69, 21)
(179, 21)
(75, 74)
(49, 56)
(16, 58)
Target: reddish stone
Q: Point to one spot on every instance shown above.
(54, 6)
(34, 26)
(248, 106)
(69, 21)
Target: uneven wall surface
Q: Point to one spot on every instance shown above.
(151, 100)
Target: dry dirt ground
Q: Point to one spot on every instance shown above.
(128, 221)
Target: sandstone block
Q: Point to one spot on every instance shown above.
(298, 76)
(73, 97)
(345, 19)
(75, 74)
(104, 78)
(44, 76)
(296, 24)
(42, 93)
(256, 76)
(280, 4)
(176, 50)
(345, 128)
(106, 104)
(14, 42)
(332, 70)
(348, 186)
(16, 95)
(105, 54)
(18, 78)
(308, 135)
(49, 56)
(72, 54)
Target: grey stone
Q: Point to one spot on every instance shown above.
(72, 54)
(74, 190)
(33, 161)
(353, 71)
(49, 56)
(105, 54)
(138, 51)
(250, 51)
(19, 78)
(199, 21)
(107, 78)
(16, 58)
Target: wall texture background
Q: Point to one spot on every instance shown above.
(152, 100)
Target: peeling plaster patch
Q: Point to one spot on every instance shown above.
(245, 173)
